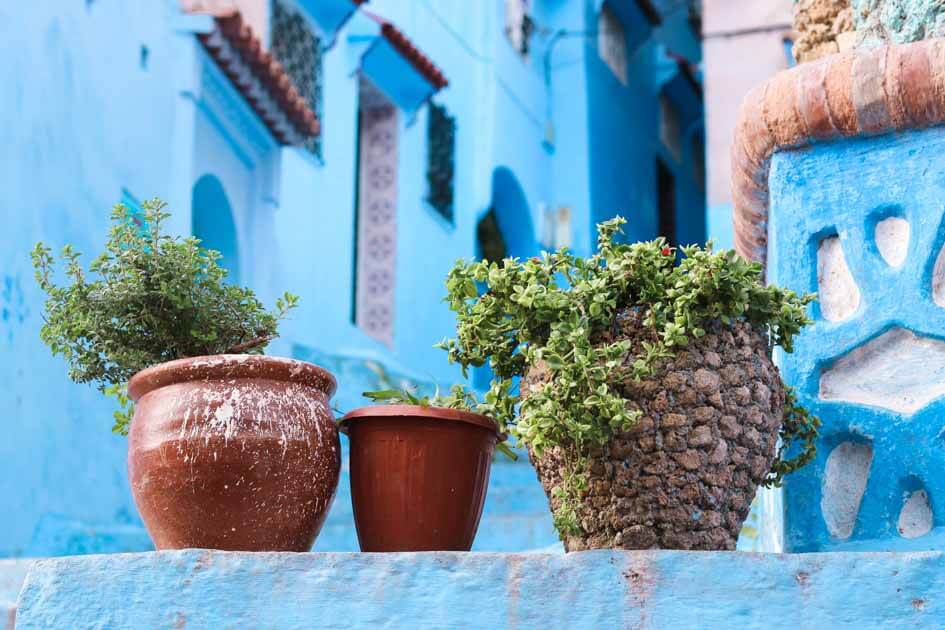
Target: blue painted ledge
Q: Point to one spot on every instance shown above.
(597, 589)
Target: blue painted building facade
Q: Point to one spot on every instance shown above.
(112, 100)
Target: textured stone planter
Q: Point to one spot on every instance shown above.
(686, 476)
(233, 452)
(838, 181)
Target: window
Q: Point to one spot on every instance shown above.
(666, 201)
(698, 160)
(788, 44)
(670, 127)
(298, 49)
(518, 26)
(441, 147)
(612, 42)
(489, 238)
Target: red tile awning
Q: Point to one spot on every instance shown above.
(417, 59)
(259, 78)
(402, 44)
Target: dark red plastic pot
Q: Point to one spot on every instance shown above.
(233, 452)
(418, 476)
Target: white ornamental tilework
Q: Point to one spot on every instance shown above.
(377, 222)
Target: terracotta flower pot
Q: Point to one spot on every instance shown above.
(236, 452)
(685, 477)
(418, 476)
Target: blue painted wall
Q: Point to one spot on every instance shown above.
(109, 96)
(842, 188)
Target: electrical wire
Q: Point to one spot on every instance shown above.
(475, 54)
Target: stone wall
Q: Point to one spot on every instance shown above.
(824, 27)
(898, 21)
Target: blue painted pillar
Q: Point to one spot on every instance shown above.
(873, 364)
(839, 187)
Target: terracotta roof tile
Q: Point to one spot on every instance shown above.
(260, 79)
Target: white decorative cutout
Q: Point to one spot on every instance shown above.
(377, 216)
(898, 370)
(892, 240)
(915, 519)
(838, 294)
(848, 468)
(938, 279)
(612, 43)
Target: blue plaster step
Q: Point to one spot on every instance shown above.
(675, 590)
(12, 574)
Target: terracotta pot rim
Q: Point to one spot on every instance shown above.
(225, 366)
(433, 413)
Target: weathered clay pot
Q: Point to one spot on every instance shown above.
(685, 477)
(233, 452)
(418, 476)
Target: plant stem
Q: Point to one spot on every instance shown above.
(249, 345)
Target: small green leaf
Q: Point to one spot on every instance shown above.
(506, 450)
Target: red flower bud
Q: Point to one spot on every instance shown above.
(666, 251)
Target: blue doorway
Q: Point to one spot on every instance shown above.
(212, 222)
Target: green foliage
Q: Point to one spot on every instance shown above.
(458, 398)
(547, 311)
(148, 298)
(798, 428)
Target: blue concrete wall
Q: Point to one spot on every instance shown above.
(74, 138)
(596, 589)
(842, 188)
(111, 96)
(719, 226)
(624, 123)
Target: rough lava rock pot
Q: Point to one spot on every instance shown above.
(235, 452)
(419, 476)
(685, 476)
